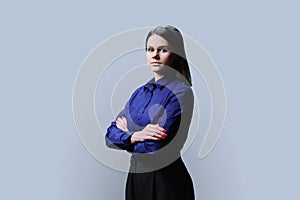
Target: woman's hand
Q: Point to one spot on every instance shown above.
(150, 132)
(121, 123)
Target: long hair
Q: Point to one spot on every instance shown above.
(175, 40)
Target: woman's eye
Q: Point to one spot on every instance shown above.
(150, 49)
(164, 50)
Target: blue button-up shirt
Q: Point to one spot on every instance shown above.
(168, 102)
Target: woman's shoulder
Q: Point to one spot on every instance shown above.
(179, 86)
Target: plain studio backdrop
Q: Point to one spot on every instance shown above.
(255, 45)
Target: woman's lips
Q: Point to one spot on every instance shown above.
(155, 63)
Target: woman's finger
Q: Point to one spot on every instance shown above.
(158, 131)
(153, 131)
(152, 138)
(153, 134)
(156, 128)
(122, 124)
(124, 120)
(120, 120)
(119, 125)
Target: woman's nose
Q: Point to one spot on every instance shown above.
(156, 54)
(156, 57)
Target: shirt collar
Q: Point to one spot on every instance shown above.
(160, 83)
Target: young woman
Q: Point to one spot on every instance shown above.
(155, 122)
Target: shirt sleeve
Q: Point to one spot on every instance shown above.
(179, 112)
(116, 138)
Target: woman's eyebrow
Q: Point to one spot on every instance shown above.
(162, 46)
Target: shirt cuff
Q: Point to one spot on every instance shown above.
(126, 138)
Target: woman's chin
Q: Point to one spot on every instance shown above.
(156, 68)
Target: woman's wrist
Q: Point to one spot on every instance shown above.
(132, 140)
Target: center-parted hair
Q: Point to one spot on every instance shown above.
(175, 40)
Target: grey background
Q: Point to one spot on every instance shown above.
(255, 45)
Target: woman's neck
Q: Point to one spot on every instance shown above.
(157, 76)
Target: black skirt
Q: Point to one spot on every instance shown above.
(172, 182)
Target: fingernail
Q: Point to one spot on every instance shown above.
(158, 138)
(164, 131)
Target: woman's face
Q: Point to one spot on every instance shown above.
(158, 53)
